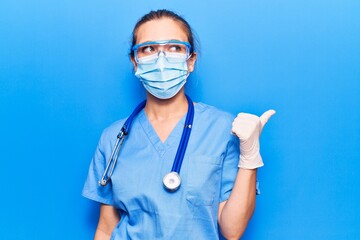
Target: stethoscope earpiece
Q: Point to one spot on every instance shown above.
(102, 182)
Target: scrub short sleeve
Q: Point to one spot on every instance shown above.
(92, 189)
(230, 167)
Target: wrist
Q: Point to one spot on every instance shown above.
(251, 161)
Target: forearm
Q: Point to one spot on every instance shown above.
(238, 209)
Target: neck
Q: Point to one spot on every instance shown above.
(163, 109)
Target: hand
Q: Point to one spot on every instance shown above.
(248, 128)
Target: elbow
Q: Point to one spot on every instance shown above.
(234, 233)
(234, 229)
(233, 236)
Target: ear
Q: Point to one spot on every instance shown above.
(133, 62)
(191, 62)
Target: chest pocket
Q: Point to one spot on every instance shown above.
(204, 176)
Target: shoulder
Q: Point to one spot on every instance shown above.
(213, 127)
(213, 114)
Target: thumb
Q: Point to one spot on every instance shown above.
(266, 116)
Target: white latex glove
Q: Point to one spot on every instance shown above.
(248, 128)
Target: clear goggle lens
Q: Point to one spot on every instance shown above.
(173, 50)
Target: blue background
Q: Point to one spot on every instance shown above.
(65, 75)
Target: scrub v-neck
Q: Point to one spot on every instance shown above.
(173, 138)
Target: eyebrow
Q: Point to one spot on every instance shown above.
(163, 40)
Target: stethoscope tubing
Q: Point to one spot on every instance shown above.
(125, 130)
(179, 157)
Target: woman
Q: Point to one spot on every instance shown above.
(217, 190)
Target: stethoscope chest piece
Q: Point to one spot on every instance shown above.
(172, 181)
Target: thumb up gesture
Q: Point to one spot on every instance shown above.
(248, 127)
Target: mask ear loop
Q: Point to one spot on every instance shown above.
(187, 59)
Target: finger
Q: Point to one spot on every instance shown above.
(266, 116)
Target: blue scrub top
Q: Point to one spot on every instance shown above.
(147, 210)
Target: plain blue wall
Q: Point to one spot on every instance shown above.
(65, 76)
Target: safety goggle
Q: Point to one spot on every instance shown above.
(173, 50)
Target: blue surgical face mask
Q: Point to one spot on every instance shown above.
(163, 78)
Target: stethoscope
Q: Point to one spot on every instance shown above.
(171, 180)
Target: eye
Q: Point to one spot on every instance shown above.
(176, 48)
(147, 49)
